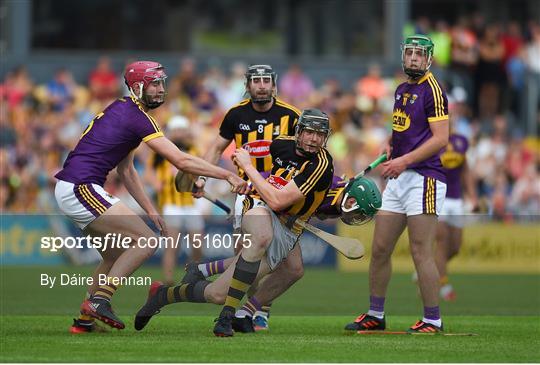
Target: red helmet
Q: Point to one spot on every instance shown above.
(145, 72)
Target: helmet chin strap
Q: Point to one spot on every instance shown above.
(141, 99)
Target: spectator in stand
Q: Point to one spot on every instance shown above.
(464, 57)
(371, 88)
(525, 197)
(103, 81)
(490, 75)
(295, 86)
(60, 90)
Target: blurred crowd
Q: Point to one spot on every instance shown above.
(491, 72)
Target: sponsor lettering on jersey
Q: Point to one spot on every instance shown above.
(263, 121)
(400, 121)
(258, 149)
(277, 181)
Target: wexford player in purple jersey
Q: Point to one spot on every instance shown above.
(459, 179)
(109, 142)
(416, 188)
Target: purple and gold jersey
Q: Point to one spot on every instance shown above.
(416, 105)
(107, 140)
(329, 207)
(453, 160)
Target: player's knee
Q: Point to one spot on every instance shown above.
(380, 251)
(420, 251)
(295, 270)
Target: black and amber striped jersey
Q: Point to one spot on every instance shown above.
(254, 131)
(313, 176)
(165, 173)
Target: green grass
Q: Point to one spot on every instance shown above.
(306, 325)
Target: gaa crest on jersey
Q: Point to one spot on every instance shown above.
(258, 149)
(244, 127)
(400, 121)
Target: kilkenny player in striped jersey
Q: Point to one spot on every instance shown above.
(253, 124)
(300, 178)
(107, 143)
(355, 202)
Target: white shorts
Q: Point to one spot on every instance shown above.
(238, 209)
(413, 194)
(186, 219)
(452, 212)
(83, 203)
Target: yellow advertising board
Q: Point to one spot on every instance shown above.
(487, 248)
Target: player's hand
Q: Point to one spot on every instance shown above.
(159, 223)
(238, 185)
(387, 149)
(198, 188)
(393, 168)
(241, 158)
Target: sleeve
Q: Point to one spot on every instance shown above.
(317, 175)
(226, 130)
(146, 127)
(436, 102)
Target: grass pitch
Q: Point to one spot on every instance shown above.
(306, 323)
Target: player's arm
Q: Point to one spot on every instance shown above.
(439, 139)
(212, 155)
(216, 149)
(277, 199)
(130, 179)
(195, 165)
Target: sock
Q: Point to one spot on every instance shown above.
(376, 306)
(244, 275)
(249, 309)
(432, 315)
(212, 268)
(105, 291)
(193, 293)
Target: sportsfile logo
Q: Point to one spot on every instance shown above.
(258, 149)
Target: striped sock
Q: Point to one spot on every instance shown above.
(193, 293)
(212, 268)
(105, 291)
(251, 306)
(244, 275)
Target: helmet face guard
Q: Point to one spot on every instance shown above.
(314, 120)
(361, 201)
(143, 73)
(261, 72)
(421, 45)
